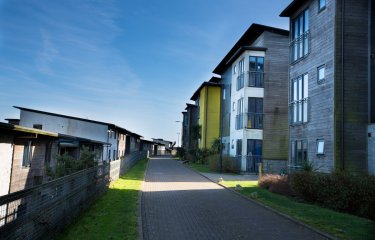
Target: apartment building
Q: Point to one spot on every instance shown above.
(114, 136)
(26, 153)
(189, 122)
(207, 99)
(331, 84)
(254, 109)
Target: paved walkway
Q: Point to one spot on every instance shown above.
(217, 177)
(178, 204)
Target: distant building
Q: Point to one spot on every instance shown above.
(331, 84)
(254, 109)
(207, 99)
(119, 140)
(189, 123)
(27, 153)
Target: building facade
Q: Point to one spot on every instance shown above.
(207, 98)
(331, 83)
(254, 107)
(189, 125)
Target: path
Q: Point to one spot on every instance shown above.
(178, 203)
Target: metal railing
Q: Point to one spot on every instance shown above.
(240, 81)
(239, 121)
(249, 120)
(252, 163)
(299, 47)
(44, 210)
(255, 79)
(254, 120)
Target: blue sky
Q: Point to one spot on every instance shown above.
(132, 63)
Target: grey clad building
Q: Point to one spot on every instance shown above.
(331, 84)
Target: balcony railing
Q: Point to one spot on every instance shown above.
(254, 120)
(240, 81)
(239, 121)
(249, 120)
(255, 78)
(252, 163)
(300, 46)
(299, 111)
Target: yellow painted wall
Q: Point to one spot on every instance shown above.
(209, 115)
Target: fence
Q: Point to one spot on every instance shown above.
(42, 211)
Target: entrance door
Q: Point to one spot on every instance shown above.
(254, 155)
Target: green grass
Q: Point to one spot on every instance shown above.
(344, 226)
(114, 215)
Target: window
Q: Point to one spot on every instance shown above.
(38, 126)
(241, 76)
(299, 90)
(234, 69)
(234, 106)
(255, 113)
(321, 73)
(114, 154)
(298, 152)
(239, 147)
(27, 154)
(223, 93)
(322, 5)
(300, 36)
(320, 147)
(47, 158)
(256, 69)
(109, 154)
(239, 116)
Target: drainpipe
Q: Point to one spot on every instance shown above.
(342, 84)
(205, 123)
(221, 129)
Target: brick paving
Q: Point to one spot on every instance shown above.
(178, 203)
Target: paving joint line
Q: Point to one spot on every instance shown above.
(140, 205)
(324, 234)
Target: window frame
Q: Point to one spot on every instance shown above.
(320, 7)
(320, 81)
(294, 159)
(27, 154)
(300, 37)
(321, 140)
(300, 98)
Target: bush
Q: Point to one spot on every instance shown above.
(276, 184)
(340, 191)
(180, 153)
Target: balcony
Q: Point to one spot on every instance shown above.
(255, 79)
(240, 81)
(300, 47)
(249, 120)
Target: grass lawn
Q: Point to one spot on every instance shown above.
(114, 215)
(344, 226)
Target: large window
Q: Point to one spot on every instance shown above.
(300, 36)
(255, 113)
(298, 152)
(27, 154)
(256, 71)
(239, 116)
(299, 90)
(241, 73)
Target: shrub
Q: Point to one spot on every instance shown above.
(340, 191)
(276, 184)
(180, 152)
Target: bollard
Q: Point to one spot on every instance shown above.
(260, 166)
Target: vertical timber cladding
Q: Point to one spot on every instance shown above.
(372, 60)
(353, 77)
(209, 115)
(275, 122)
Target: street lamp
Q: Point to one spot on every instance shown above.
(178, 136)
